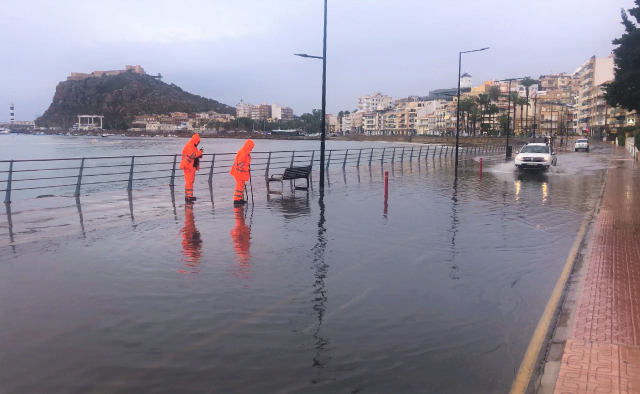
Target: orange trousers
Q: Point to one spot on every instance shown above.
(238, 193)
(189, 177)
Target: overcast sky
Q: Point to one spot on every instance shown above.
(243, 49)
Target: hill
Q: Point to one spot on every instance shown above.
(119, 98)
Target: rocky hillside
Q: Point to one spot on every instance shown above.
(120, 98)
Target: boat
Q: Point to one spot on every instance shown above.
(4, 131)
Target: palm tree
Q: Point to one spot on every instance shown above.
(493, 110)
(527, 82)
(514, 97)
(483, 101)
(475, 114)
(522, 101)
(494, 93)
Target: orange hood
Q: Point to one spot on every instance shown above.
(195, 139)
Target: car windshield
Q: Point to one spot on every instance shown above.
(581, 141)
(535, 149)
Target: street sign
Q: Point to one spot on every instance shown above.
(631, 121)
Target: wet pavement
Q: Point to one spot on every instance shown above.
(300, 293)
(602, 353)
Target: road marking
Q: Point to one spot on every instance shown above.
(521, 382)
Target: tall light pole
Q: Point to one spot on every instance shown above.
(323, 125)
(507, 152)
(458, 108)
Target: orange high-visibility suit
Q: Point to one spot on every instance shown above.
(190, 164)
(191, 242)
(241, 237)
(241, 169)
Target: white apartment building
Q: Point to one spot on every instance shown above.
(345, 124)
(374, 102)
(243, 110)
(372, 122)
(281, 113)
(591, 108)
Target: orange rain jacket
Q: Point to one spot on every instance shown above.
(242, 163)
(190, 153)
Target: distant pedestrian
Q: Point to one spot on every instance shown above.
(241, 170)
(190, 163)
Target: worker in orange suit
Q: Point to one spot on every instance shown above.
(191, 242)
(190, 163)
(241, 170)
(241, 237)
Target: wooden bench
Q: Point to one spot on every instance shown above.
(291, 173)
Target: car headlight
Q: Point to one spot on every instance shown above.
(546, 158)
(519, 157)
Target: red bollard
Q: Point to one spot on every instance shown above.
(556, 150)
(386, 185)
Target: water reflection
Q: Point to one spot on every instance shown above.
(191, 242)
(544, 193)
(7, 207)
(453, 274)
(291, 206)
(79, 207)
(241, 238)
(320, 294)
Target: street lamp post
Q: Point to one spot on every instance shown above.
(324, 94)
(458, 107)
(507, 152)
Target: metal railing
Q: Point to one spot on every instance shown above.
(31, 174)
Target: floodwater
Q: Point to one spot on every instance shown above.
(437, 291)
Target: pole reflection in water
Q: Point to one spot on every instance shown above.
(7, 207)
(80, 215)
(131, 208)
(241, 238)
(191, 242)
(321, 270)
(454, 230)
(173, 203)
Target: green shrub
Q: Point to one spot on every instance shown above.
(622, 138)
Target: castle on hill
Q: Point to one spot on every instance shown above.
(80, 76)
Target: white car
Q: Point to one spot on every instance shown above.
(582, 143)
(535, 156)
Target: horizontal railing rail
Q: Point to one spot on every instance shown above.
(23, 174)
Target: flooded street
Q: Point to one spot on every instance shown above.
(307, 292)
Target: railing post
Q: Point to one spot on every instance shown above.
(441, 148)
(411, 155)
(359, 154)
(329, 159)
(446, 152)
(213, 163)
(344, 163)
(77, 193)
(173, 172)
(393, 156)
(434, 151)
(370, 157)
(419, 154)
(7, 196)
(130, 185)
(402, 156)
(382, 159)
(266, 170)
(293, 155)
(312, 154)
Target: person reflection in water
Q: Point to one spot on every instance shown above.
(191, 242)
(241, 238)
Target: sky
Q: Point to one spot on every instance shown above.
(243, 49)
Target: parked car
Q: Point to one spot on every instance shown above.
(535, 156)
(582, 143)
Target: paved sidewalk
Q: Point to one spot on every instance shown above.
(602, 354)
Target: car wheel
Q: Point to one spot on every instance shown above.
(587, 149)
